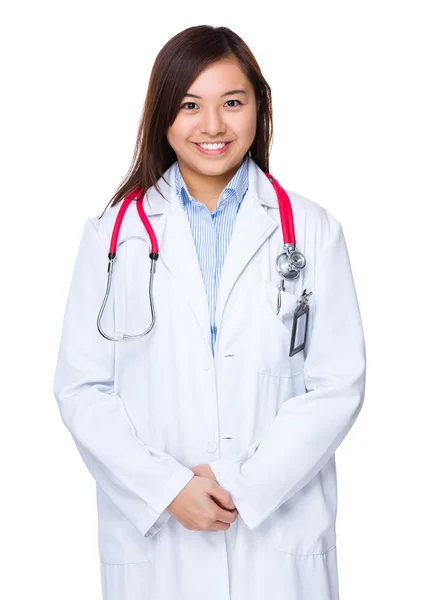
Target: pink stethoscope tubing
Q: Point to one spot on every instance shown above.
(287, 263)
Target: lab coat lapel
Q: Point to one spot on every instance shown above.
(177, 249)
(252, 228)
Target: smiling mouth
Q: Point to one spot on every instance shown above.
(213, 151)
(212, 143)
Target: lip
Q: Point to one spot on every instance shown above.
(212, 152)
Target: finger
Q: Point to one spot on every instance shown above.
(222, 505)
(219, 514)
(226, 516)
(222, 498)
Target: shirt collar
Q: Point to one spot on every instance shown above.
(233, 192)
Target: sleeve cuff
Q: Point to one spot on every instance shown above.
(159, 504)
(161, 520)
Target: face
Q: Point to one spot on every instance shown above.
(219, 106)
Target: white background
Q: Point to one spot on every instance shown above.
(352, 92)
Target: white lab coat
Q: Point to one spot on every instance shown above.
(142, 412)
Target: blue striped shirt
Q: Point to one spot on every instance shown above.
(212, 230)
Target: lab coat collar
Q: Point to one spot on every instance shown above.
(252, 228)
(260, 189)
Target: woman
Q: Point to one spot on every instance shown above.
(211, 444)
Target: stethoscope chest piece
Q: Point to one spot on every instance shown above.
(284, 267)
(289, 262)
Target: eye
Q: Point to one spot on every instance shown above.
(186, 103)
(238, 101)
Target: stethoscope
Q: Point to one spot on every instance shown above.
(288, 263)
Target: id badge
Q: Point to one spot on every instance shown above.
(300, 325)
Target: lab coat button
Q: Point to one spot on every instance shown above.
(211, 446)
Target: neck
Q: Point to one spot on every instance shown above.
(206, 188)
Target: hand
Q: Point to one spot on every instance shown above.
(201, 505)
(204, 470)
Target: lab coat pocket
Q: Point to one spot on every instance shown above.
(272, 333)
(306, 523)
(118, 540)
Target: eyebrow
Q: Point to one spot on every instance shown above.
(230, 93)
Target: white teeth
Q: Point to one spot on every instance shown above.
(212, 146)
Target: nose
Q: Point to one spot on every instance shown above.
(211, 122)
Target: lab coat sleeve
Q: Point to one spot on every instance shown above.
(309, 427)
(140, 480)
